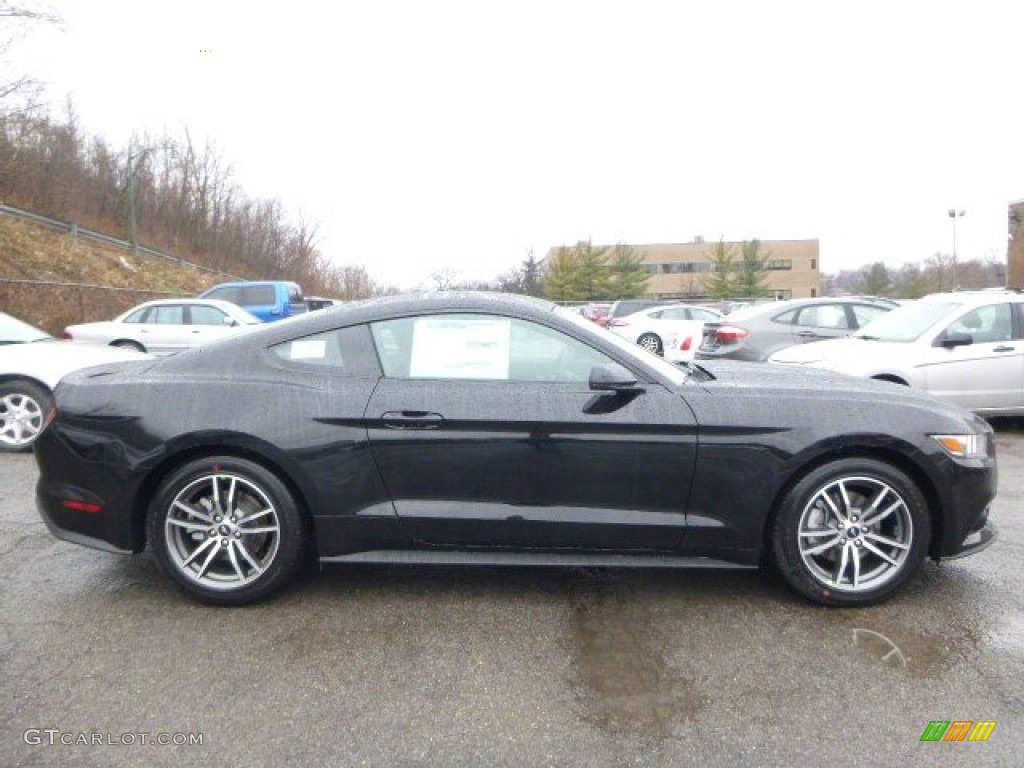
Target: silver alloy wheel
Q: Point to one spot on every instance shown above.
(855, 534)
(21, 419)
(222, 531)
(650, 342)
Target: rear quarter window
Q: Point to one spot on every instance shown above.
(347, 351)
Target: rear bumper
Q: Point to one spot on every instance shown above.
(66, 534)
(109, 529)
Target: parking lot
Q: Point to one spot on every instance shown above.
(370, 665)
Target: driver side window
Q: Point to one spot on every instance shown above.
(481, 347)
(985, 324)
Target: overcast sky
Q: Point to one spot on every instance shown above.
(433, 134)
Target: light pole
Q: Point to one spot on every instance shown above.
(954, 214)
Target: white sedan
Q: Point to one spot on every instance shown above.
(31, 364)
(674, 331)
(168, 325)
(965, 347)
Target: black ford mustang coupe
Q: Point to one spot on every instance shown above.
(486, 428)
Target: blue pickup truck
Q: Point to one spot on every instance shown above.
(269, 300)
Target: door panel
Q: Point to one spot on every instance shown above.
(487, 434)
(987, 374)
(534, 465)
(165, 330)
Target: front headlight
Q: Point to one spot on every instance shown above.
(964, 446)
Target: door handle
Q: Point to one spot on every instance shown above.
(1002, 348)
(807, 334)
(411, 420)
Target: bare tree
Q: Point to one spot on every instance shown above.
(19, 94)
(444, 279)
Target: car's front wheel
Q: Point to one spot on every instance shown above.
(23, 409)
(227, 530)
(851, 532)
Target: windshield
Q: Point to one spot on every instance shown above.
(14, 331)
(907, 323)
(668, 370)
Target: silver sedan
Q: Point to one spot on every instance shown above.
(965, 347)
(167, 326)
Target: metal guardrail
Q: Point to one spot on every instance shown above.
(89, 234)
(59, 284)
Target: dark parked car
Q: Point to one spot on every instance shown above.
(756, 331)
(314, 303)
(482, 428)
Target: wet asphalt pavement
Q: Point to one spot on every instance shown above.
(446, 666)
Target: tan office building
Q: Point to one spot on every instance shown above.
(678, 269)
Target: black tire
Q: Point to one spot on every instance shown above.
(851, 532)
(126, 344)
(24, 406)
(226, 530)
(652, 343)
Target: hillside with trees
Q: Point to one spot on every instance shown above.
(166, 193)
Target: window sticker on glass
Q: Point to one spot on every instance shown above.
(308, 349)
(460, 348)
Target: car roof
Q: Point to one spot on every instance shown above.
(978, 298)
(225, 305)
(240, 283)
(811, 301)
(677, 305)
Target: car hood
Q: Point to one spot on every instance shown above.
(837, 352)
(859, 402)
(49, 361)
(808, 380)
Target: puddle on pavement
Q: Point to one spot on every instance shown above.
(884, 643)
(625, 685)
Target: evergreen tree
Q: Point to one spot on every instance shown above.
(720, 281)
(560, 279)
(532, 280)
(628, 272)
(751, 272)
(579, 273)
(876, 280)
(593, 277)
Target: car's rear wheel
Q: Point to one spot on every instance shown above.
(851, 532)
(651, 342)
(23, 409)
(125, 344)
(227, 530)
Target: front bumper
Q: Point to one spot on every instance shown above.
(976, 541)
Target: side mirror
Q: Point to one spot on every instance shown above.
(951, 340)
(229, 321)
(612, 377)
